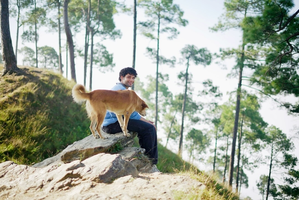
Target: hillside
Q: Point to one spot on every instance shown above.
(38, 119)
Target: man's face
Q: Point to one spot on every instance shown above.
(127, 80)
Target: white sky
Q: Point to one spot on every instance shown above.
(201, 15)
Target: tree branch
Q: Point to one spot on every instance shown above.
(288, 21)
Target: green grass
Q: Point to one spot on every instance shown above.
(38, 119)
(170, 162)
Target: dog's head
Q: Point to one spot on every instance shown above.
(142, 108)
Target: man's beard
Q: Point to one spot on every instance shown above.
(126, 85)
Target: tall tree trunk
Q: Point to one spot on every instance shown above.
(215, 151)
(183, 111)
(225, 164)
(157, 72)
(270, 171)
(91, 59)
(66, 60)
(18, 28)
(232, 156)
(92, 33)
(239, 156)
(35, 38)
(9, 59)
(241, 178)
(86, 45)
(171, 124)
(134, 36)
(59, 39)
(69, 39)
(191, 154)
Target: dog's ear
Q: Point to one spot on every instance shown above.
(144, 105)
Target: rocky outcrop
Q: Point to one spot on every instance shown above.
(90, 169)
(101, 168)
(88, 147)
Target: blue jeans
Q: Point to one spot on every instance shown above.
(146, 133)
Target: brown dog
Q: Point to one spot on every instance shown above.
(121, 102)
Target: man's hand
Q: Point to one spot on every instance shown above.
(148, 121)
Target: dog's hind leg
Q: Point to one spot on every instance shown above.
(92, 127)
(100, 119)
(92, 117)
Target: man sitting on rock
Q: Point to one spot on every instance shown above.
(146, 129)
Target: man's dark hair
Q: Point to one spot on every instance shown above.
(127, 70)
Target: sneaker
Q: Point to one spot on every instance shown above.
(154, 169)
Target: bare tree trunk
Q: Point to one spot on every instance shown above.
(69, 39)
(66, 60)
(183, 111)
(157, 73)
(59, 39)
(134, 36)
(91, 59)
(35, 38)
(270, 171)
(239, 156)
(241, 177)
(92, 33)
(191, 154)
(225, 164)
(9, 59)
(18, 28)
(232, 156)
(171, 124)
(215, 151)
(86, 45)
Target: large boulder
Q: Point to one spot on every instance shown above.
(88, 147)
(92, 169)
(91, 160)
(102, 176)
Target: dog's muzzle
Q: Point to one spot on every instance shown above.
(143, 113)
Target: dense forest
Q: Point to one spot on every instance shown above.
(235, 133)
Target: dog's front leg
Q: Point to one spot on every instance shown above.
(123, 124)
(120, 121)
(124, 128)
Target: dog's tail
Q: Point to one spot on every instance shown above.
(79, 93)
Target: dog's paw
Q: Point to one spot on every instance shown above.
(96, 136)
(127, 135)
(103, 138)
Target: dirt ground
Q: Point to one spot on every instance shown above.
(144, 186)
